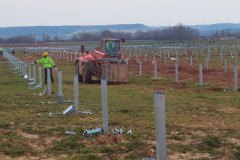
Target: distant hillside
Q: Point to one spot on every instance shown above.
(65, 31)
(68, 31)
(208, 29)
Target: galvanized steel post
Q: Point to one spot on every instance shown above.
(225, 65)
(235, 78)
(104, 104)
(34, 74)
(200, 75)
(40, 76)
(140, 68)
(176, 67)
(160, 124)
(60, 93)
(49, 81)
(76, 97)
(155, 69)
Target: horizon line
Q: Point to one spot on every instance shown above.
(69, 25)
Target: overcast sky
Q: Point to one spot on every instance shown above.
(93, 12)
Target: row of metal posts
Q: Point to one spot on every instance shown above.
(209, 53)
(23, 68)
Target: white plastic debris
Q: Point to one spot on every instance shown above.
(129, 132)
(117, 131)
(85, 113)
(70, 132)
(69, 110)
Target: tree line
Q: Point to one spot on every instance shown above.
(175, 33)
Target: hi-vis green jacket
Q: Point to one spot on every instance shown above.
(47, 62)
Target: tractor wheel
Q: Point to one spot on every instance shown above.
(86, 75)
(80, 79)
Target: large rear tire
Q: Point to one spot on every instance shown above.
(87, 75)
(80, 79)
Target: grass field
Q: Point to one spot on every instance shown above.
(202, 123)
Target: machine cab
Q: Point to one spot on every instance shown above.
(111, 47)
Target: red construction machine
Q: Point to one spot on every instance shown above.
(105, 61)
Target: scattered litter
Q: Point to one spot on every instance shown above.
(117, 131)
(50, 114)
(68, 101)
(86, 113)
(70, 132)
(92, 131)
(130, 131)
(36, 87)
(69, 110)
(31, 83)
(42, 102)
(39, 114)
(43, 93)
(52, 102)
(25, 76)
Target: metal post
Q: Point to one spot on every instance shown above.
(165, 57)
(34, 74)
(206, 63)
(155, 69)
(191, 60)
(225, 65)
(160, 124)
(140, 68)
(176, 72)
(104, 104)
(25, 68)
(176, 67)
(60, 92)
(236, 58)
(145, 57)
(76, 97)
(40, 76)
(186, 54)
(235, 78)
(49, 81)
(200, 75)
(29, 71)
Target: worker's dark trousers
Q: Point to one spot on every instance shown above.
(45, 70)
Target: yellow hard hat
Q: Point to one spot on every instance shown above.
(45, 54)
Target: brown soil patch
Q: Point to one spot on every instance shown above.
(105, 140)
(188, 156)
(27, 135)
(229, 110)
(234, 141)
